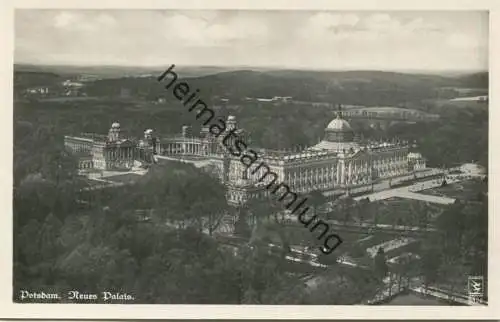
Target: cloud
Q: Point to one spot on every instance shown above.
(381, 23)
(328, 20)
(201, 32)
(358, 28)
(85, 21)
(326, 39)
(65, 19)
(461, 41)
(104, 19)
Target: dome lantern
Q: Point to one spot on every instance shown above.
(339, 124)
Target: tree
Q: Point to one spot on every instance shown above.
(250, 297)
(179, 194)
(476, 236)
(381, 268)
(404, 269)
(209, 201)
(451, 224)
(49, 237)
(363, 208)
(459, 246)
(398, 222)
(420, 213)
(357, 251)
(263, 274)
(272, 233)
(346, 205)
(431, 260)
(328, 259)
(342, 286)
(259, 209)
(316, 200)
(241, 227)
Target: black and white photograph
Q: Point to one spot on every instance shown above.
(250, 157)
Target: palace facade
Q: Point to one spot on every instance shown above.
(338, 164)
(112, 151)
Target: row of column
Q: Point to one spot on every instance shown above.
(236, 197)
(305, 179)
(120, 153)
(393, 166)
(186, 148)
(79, 147)
(390, 160)
(172, 148)
(86, 164)
(237, 171)
(192, 148)
(419, 164)
(354, 172)
(344, 173)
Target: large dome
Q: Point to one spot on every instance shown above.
(339, 124)
(339, 136)
(339, 130)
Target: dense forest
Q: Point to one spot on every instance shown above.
(370, 88)
(357, 88)
(59, 247)
(459, 136)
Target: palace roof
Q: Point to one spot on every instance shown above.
(339, 124)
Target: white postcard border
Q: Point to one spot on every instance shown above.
(103, 311)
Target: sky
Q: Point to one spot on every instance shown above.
(325, 40)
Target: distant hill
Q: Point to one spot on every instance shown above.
(368, 88)
(476, 80)
(118, 71)
(24, 79)
(349, 87)
(69, 71)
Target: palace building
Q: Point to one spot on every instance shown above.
(338, 164)
(110, 152)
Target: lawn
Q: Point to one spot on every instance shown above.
(463, 190)
(124, 178)
(399, 211)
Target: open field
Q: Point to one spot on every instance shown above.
(399, 210)
(465, 190)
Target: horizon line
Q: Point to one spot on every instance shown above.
(244, 66)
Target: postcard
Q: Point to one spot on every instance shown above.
(249, 160)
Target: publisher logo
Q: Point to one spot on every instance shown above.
(475, 287)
